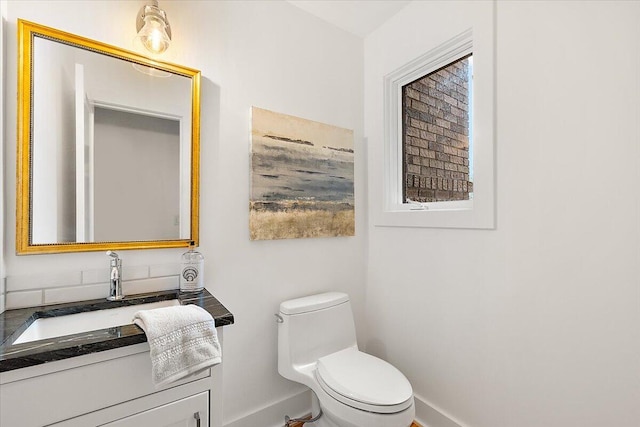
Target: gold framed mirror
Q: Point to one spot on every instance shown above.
(108, 147)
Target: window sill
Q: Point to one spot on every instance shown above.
(475, 215)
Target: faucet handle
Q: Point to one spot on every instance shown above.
(115, 260)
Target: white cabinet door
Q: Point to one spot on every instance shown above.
(192, 411)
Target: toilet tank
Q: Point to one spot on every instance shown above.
(312, 327)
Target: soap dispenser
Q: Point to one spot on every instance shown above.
(192, 272)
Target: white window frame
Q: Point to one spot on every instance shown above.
(478, 211)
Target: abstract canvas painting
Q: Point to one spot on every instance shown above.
(301, 178)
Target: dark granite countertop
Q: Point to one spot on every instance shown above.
(14, 322)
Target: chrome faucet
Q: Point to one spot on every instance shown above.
(115, 277)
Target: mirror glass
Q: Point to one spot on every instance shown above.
(109, 147)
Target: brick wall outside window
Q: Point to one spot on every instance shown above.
(436, 135)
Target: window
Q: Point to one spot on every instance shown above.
(437, 138)
(439, 126)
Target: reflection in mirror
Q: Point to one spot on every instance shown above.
(108, 154)
(135, 165)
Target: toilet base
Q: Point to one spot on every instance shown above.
(324, 420)
(334, 418)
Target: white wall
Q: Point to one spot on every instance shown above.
(3, 6)
(534, 324)
(267, 54)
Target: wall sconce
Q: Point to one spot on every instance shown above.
(154, 31)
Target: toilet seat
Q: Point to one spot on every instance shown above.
(364, 382)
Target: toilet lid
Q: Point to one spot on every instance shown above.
(364, 381)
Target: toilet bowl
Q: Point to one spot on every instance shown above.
(317, 347)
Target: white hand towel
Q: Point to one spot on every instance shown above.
(182, 339)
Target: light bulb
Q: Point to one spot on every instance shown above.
(153, 35)
(154, 32)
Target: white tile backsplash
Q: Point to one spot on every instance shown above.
(135, 272)
(160, 270)
(32, 290)
(23, 299)
(99, 275)
(76, 293)
(3, 289)
(150, 285)
(40, 281)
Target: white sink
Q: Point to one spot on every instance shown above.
(51, 327)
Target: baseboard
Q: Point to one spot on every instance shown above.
(296, 406)
(300, 424)
(429, 415)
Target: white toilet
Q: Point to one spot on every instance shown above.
(317, 347)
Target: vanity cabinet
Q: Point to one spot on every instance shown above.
(111, 388)
(101, 377)
(192, 411)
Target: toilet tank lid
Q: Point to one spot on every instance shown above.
(313, 302)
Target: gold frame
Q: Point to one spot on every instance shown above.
(26, 32)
